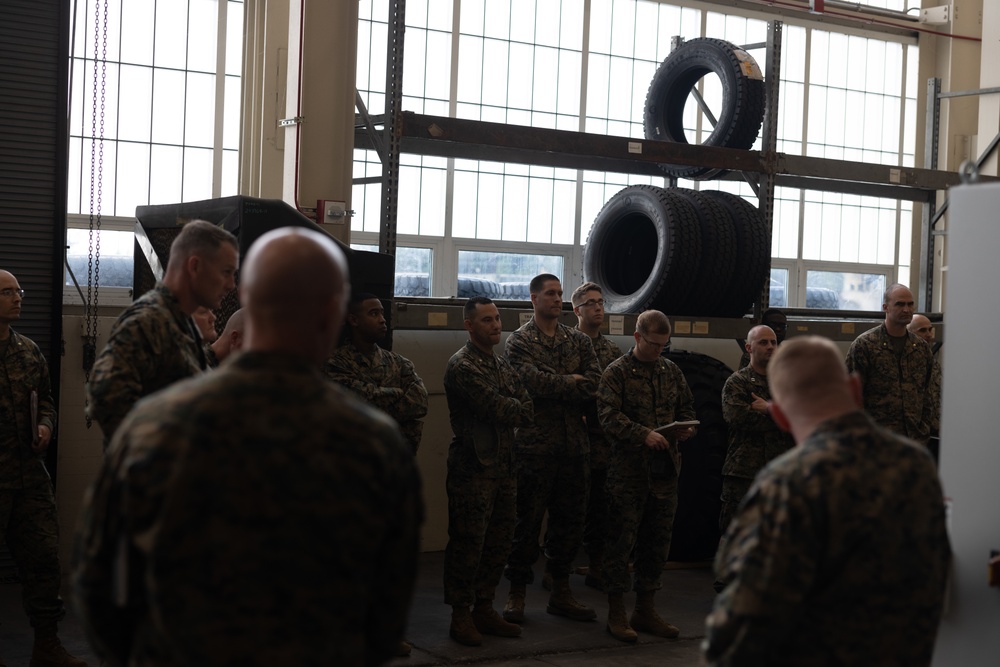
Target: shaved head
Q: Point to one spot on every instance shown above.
(810, 384)
(761, 344)
(294, 290)
(921, 326)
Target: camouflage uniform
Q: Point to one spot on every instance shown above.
(754, 438)
(552, 453)
(257, 515)
(386, 380)
(28, 518)
(152, 345)
(838, 555)
(595, 530)
(635, 397)
(896, 389)
(486, 401)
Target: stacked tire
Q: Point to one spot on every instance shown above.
(685, 252)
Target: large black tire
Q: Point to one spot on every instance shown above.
(753, 254)
(696, 525)
(742, 111)
(821, 297)
(643, 250)
(470, 287)
(718, 255)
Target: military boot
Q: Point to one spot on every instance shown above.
(595, 574)
(514, 611)
(562, 603)
(645, 618)
(48, 651)
(488, 621)
(618, 626)
(463, 630)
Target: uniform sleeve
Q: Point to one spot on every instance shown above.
(616, 424)
(544, 382)
(413, 402)
(116, 380)
(736, 410)
(768, 561)
(857, 360)
(935, 399)
(344, 372)
(491, 404)
(685, 399)
(46, 406)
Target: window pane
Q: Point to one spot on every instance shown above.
(137, 32)
(413, 269)
(234, 39)
(197, 174)
(133, 177)
(115, 263)
(843, 290)
(136, 103)
(203, 21)
(168, 101)
(165, 187)
(779, 288)
(171, 34)
(199, 125)
(502, 274)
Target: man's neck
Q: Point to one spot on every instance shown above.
(592, 331)
(365, 347)
(488, 351)
(547, 326)
(757, 369)
(894, 330)
(185, 299)
(4, 330)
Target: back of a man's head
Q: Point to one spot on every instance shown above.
(294, 290)
(808, 378)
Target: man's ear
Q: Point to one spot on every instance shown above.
(192, 264)
(779, 417)
(856, 392)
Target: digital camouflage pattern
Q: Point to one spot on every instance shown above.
(152, 345)
(935, 392)
(28, 518)
(257, 515)
(897, 391)
(754, 438)
(553, 468)
(386, 380)
(838, 556)
(486, 402)
(633, 398)
(600, 448)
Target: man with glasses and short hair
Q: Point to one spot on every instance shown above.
(559, 368)
(28, 518)
(640, 392)
(155, 342)
(588, 304)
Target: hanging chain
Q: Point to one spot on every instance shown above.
(96, 188)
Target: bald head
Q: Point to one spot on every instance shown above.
(761, 344)
(921, 326)
(294, 290)
(810, 384)
(231, 339)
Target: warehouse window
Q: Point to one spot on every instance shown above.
(170, 101)
(561, 67)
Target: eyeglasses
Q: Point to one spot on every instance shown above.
(590, 303)
(10, 291)
(659, 346)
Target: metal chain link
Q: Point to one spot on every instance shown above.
(96, 189)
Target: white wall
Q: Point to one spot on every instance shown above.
(970, 455)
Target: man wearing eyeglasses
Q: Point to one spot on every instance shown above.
(559, 368)
(588, 304)
(638, 393)
(28, 518)
(155, 342)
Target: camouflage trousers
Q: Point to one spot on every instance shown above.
(30, 525)
(643, 512)
(595, 529)
(557, 484)
(481, 513)
(733, 490)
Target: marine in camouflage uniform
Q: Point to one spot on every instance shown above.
(385, 379)
(561, 374)
(259, 514)
(838, 555)
(638, 393)
(487, 402)
(28, 518)
(754, 438)
(897, 371)
(588, 304)
(155, 342)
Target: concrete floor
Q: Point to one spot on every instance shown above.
(685, 600)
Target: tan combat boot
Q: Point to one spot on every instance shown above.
(514, 611)
(48, 651)
(488, 621)
(645, 618)
(562, 603)
(463, 630)
(618, 626)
